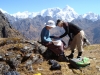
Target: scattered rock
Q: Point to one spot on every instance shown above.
(16, 54)
(28, 58)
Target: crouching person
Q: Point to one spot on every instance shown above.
(46, 40)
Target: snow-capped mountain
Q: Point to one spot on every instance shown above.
(66, 13)
(50, 12)
(3, 11)
(90, 16)
(25, 14)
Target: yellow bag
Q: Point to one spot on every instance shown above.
(37, 74)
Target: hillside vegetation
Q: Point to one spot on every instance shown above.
(28, 56)
(14, 47)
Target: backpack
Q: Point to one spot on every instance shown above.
(79, 62)
(12, 73)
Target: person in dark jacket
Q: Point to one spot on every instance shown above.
(46, 40)
(76, 35)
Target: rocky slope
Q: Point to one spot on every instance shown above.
(26, 57)
(29, 57)
(6, 29)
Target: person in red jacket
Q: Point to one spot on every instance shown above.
(75, 34)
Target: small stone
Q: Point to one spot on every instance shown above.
(42, 49)
(6, 68)
(7, 54)
(1, 66)
(1, 58)
(94, 58)
(29, 68)
(99, 69)
(32, 42)
(26, 47)
(39, 61)
(29, 62)
(18, 56)
(35, 58)
(40, 68)
(28, 55)
(4, 59)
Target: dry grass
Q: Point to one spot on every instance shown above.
(92, 51)
(92, 47)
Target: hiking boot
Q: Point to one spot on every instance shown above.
(70, 56)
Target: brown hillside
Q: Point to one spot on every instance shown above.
(6, 29)
(16, 49)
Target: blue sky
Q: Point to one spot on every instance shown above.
(80, 6)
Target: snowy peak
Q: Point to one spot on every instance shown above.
(50, 11)
(2, 11)
(66, 13)
(25, 14)
(68, 8)
(90, 16)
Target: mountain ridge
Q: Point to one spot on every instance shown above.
(6, 29)
(31, 27)
(67, 13)
(28, 57)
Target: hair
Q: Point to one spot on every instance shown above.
(58, 21)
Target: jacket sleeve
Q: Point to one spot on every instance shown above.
(52, 36)
(70, 36)
(63, 35)
(47, 37)
(44, 35)
(66, 32)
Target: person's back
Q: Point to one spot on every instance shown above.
(45, 36)
(73, 28)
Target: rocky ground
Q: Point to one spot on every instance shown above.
(26, 57)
